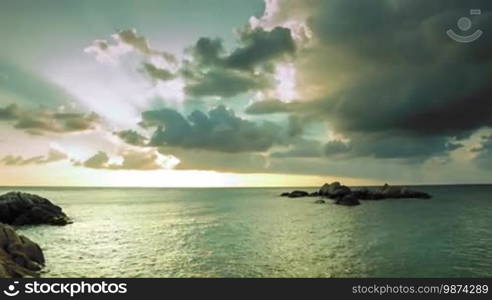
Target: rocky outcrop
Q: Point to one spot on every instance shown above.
(340, 193)
(295, 194)
(334, 190)
(390, 192)
(396, 192)
(19, 256)
(343, 195)
(26, 209)
(348, 200)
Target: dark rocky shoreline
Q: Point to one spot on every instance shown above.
(18, 208)
(343, 195)
(19, 256)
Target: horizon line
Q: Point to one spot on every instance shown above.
(231, 187)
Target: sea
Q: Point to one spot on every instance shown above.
(252, 232)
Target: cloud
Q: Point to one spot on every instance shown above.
(260, 46)
(210, 160)
(400, 146)
(224, 83)
(125, 41)
(249, 67)
(98, 161)
(53, 155)
(132, 137)
(140, 43)
(210, 70)
(10, 112)
(336, 147)
(131, 160)
(382, 80)
(208, 52)
(41, 121)
(157, 73)
(257, 47)
(301, 149)
(386, 77)
(219, 130)
(484, 154)
(104, 52)
(268, 107)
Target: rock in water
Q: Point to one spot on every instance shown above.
(320, 201)
(334, 190)
(19, 256)
(26, 209)
(329, 189)
(397, 192)
(348, 200)
(298, 194)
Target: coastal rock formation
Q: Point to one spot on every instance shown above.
(19, 256)
(340, 193)
(348, 200)
(295, 194)
(26, 209)
(343, 195)
(334, 190)
(390, 192)
(401, 192)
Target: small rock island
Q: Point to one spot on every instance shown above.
(19, 256)
(343, 195)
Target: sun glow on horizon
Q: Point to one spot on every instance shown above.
(60, 175)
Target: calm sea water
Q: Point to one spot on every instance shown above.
(255, 233)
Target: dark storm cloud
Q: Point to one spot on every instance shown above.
(208, 51)
(219, 130)
(213, 72)
(261, 46)
(405, 31)
(224, 83)
(256, 47)
(398, 146)
(410, 91)
(40, 121)
(336, 147)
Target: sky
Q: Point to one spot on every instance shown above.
(215, 93)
